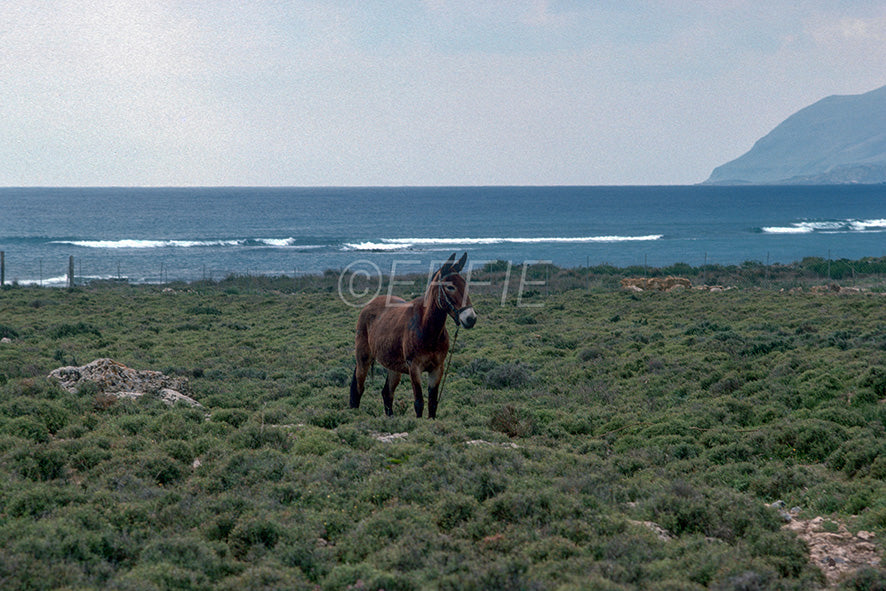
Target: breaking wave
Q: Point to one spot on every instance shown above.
(828, 226)
(416, 243)
(143, 244)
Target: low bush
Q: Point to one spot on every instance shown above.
(564, 429)
(61, 331)
(508, 375)
(512, 423)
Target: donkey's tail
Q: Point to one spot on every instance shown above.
(355, 391)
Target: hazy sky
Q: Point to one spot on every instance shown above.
(440, 92)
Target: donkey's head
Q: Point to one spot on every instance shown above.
(452, 292)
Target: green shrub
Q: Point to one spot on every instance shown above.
(875, 379)
(179, 450)
(232, 416)
(41, 463)
(27, 428)
(508, 375)
(204, 310)
(71, 330)
(251, 373)
(190, 553)
(258, 436)
(477, 368)
(684, 509)
(38, 500)
(159, 576)
(336, 376)
(359, 577)
(329, 419)
(253, 536)
(857, 457)
(781, 550)
(454, 509)
(766, 346)
(526, 319)
(245, 468)
(315, 441)
(485, 484)
(692, 411)
(590, 353)
(808, 439)
(867, 578)
(513, 507)
(7, 332)
(162, 469)
(268, 578)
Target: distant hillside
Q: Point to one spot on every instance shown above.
(839, 139)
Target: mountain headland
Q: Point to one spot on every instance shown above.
(837, 140)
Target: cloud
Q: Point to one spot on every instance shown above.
(440, 92)
(106, 92)
(838, 33)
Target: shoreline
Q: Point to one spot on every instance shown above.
(867, 272)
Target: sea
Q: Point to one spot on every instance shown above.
(159, 235)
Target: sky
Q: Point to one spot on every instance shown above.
(413, 93)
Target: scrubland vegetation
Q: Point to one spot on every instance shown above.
(568, 424)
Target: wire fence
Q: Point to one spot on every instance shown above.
(537, 275)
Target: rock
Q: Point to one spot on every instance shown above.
(390, 437)
(837, 553)
(484, 442)
(781, 507)
(5, 340)
(831, 288)
(834, 288)
(655, 283)
(115, 379)
(170, 397)
(660, 532)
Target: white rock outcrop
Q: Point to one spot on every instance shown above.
(115, 379)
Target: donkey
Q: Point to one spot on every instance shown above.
(411, 337)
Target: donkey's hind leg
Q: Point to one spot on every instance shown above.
(358, 381)
(387, 393)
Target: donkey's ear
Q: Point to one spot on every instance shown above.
(446, 269)
(457, 267)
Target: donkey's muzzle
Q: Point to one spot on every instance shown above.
(467, 318)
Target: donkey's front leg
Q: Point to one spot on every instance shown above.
(434, 378)
(415, 376)
(387, 393)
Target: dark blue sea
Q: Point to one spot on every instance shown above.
(166, 234)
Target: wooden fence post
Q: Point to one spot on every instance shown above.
(71, 271)
(2, 268)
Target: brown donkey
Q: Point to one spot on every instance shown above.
(411, 337)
